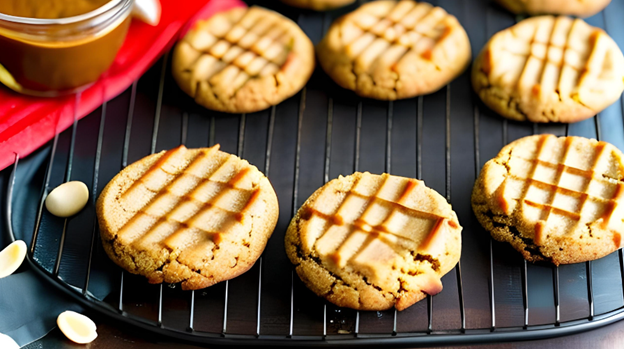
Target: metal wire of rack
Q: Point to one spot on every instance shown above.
(300, 144)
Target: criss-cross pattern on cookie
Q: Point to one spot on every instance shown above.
(387, 33)
(561, 183)
(231, 48)
(189, 204)
(555, 58)
(373, 227)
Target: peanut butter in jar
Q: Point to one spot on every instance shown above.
(53, 47)
(49, 9)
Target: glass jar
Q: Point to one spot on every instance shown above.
(50, 57)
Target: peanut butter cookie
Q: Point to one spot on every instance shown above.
(243, 60)
(549, 69)
(395, 49)
(373, 242)
(554, 199)
(579, 8)
(318, 5)
(195, 216)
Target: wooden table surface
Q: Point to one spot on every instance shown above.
(114, 337)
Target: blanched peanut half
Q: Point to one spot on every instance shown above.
(147, 11)
(67, 199)
(11, 258)
(77, 327)
(7, 342)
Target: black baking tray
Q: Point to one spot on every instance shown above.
(322, 132)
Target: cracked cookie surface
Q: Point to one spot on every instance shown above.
(579, 8)
(243, 60)
(195, 216)
(318, 5)
(395, 49)
(554, 199)
(549, 69)
(373, 242)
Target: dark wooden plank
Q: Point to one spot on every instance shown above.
(102, 281)
(242, 305)
(277, 270)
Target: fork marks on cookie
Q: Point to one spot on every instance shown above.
(386, 32)
(375, 225)
(190, 201)
(564, 183)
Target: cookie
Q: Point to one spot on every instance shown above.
(395, 49)
(243, 60)
(195, 216)
(371, 242)
(553, 199)
(318, 5)
(549, 69)
(583, 8)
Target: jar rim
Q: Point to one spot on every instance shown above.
(66, 20)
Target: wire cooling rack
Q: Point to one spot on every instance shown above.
(443, 138)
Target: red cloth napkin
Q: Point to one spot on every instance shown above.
(27, 123)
